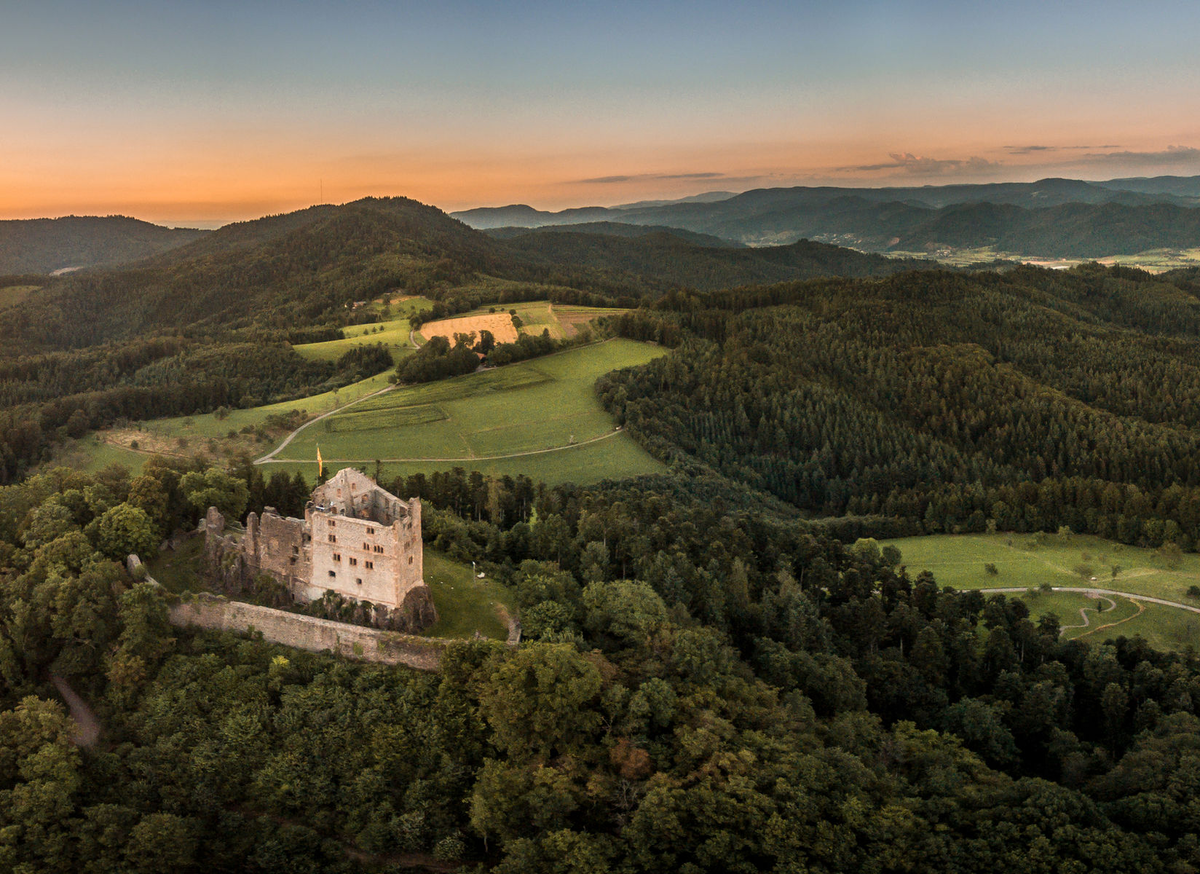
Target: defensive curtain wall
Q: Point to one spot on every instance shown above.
(215, 613)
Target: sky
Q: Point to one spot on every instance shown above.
(202, 113)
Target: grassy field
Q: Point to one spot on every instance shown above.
(14, 294)
(179, 570)
(561, 320)
(548, 403)
(465, 604)
(393, 333)
(1028, 562)
(1152, 260)
(90, 455)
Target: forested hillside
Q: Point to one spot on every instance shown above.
(939, 401)
(720, 670)
(662, 260)
(701, 688)
(46, 245)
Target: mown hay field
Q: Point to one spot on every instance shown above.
(499, 324)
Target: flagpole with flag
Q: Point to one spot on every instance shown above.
(320, 464)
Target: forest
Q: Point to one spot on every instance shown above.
(722, 670)
(703, 687)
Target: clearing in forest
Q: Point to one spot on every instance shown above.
(1030, 561)
(540, 417)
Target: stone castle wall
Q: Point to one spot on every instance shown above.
(309, 633)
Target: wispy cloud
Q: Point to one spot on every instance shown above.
(1169, 155)
(919, 165)
(1037, 150)
(650, 177)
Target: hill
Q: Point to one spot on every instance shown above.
(661, 260)
(307, 267)
(1093, 220)
(938, 401)
(614, 229)
(76, 242)
(276, 272)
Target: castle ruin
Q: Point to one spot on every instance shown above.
(356, 540)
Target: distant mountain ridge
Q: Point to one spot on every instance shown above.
(47, 245)
(307, 267)
(1104, 218)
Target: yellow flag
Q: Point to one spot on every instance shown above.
(320, 464)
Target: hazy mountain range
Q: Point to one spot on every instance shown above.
(1095, 219)
(1053, 218)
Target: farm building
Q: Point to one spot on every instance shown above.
(355, 540)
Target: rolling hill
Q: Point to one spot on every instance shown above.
(75, 242)
(1092, 219)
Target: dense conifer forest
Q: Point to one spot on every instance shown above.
(721, 669)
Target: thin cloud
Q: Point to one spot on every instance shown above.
(1032, 150)
(1169, 155)
(651, 177)
(919, 165)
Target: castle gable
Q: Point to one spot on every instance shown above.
(354, 494)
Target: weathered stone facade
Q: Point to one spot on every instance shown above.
(355, 540)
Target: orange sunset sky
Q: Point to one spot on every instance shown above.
(216, 112)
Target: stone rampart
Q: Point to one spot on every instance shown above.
(309, 633)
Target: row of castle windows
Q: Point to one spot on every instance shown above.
(367, 547)
(370, 565)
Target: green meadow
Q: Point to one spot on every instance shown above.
(1031, 561)
(488, 421)
(464, 603)
(392, 333)
(210, 425)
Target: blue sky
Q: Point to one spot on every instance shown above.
(217, 111)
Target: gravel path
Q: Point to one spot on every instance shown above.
(1087, 590)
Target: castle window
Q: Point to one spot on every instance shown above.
(370, 565)
(333, 538)
(353, 561)
(366, 546)
(333, 573)
(359, 581)
(295, 550)
(410, 558)
(370, 530)
(332, 524)
(292, 560)
(337, 556)
(379, 549)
